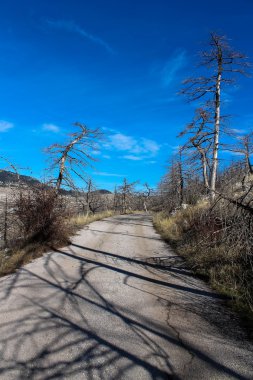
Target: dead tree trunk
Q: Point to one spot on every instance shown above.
(217, 125)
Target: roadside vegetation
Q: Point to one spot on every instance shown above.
(217, 245)
(206, 205)
(20, 254)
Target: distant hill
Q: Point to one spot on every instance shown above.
(9, 178)
(102, 191)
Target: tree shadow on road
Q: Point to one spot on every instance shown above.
(56, 324)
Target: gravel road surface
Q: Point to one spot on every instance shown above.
(117, 304)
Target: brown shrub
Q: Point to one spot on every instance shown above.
(41, 216)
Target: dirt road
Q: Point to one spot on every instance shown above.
(117, 304)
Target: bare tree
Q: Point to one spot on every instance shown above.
(90, 188)
(198, 146)
(116, 199)
(74, 156)
(126, 190)
(146, 194)
(171, 187)
(11, 166)
(94, 199)
(243, 146)
(222, 61)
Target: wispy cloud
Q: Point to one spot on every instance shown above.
(119, 141)
(96, 152)
(72, 27)
(99, 153)
(239, 131)
(5, 125)
(136, 148)
(176, 62)
(106, 174)
(150, 146)
(231, 152)
(131, 157)
(51, 128)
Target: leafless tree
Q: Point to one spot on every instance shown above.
(89, 191)
(244, 147)
(73, 157)
(171, 187)
(126, 191)
(10, 165)
(222, 61)
(94, 199)
(146, 194)
(116, 199)
(199, 144)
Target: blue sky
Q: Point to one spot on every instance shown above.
(117, 65)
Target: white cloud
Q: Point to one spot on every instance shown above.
(51, 128)
(106, 174)
(239, 131)
(5, 125)
(150, 146)
(132, 157)
(71, 26)
(137, 148)
(122, 142)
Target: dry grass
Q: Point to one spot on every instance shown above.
(213, 251)
(79, 221)
(12, 259)
(172, 227)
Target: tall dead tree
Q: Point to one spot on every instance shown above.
(73, 157)
(222, 61)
